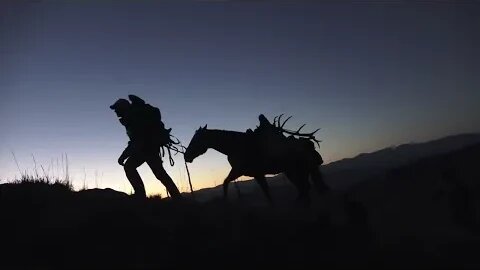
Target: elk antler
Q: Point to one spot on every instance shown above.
(311, 136)
(298, 130)
(275, 120)
(297, 133)
(285, 121)
(279, 119)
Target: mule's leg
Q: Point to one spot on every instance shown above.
(263, 184)
(300, 180)
(230, 177)
(317, 179)
(304, 196)
(293, 179)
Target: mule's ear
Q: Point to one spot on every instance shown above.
(205, 127)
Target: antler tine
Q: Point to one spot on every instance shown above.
(297, 133)
(275, 120)
(311, 134)
(317, 141)
(279, 121)
(315, 131)
(286, 121)
(300, 128)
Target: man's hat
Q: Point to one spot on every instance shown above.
(121, 103)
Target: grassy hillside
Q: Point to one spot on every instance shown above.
(414, 216)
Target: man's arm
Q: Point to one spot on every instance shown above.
(125, 154)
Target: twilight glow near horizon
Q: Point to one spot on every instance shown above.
(371, 75)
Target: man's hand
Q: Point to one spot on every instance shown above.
(121, 160)
(125, 154)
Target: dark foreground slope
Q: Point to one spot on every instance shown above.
(411, 218)
(62, 229)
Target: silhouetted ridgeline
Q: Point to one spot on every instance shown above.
(424, 213)
(347, 172)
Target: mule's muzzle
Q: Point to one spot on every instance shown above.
(188, 158)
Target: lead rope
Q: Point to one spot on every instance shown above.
(171, 146)
(170, 159)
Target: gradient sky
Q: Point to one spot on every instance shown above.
(370, 74)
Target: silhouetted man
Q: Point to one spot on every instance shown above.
(144, 129)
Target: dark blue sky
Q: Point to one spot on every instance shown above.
(371, 75)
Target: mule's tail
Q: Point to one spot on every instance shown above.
(317, 179)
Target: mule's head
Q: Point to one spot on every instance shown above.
(197, 145)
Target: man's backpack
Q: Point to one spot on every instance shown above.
(160, 134)
(151, 119)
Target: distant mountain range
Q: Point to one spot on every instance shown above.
(348, 172)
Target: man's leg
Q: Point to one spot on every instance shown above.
(156, 164)
(130, 167)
